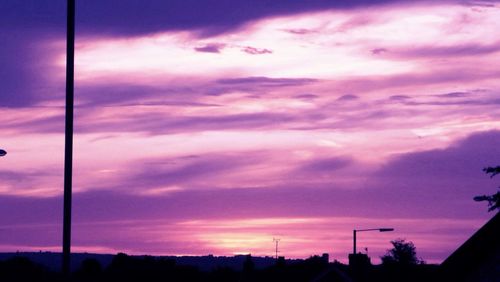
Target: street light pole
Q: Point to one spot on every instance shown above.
(361, 230)
(68, 145)
(354, 241)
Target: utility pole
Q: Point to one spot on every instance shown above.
(68, 141)
(277, 240)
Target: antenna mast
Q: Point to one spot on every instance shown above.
(276, 240)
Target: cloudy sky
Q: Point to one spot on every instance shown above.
(210, 127)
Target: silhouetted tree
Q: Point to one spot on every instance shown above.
(493, 200)
(402, 253)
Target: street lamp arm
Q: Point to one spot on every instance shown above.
(369, 229)
(375, 229)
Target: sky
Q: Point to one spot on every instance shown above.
(212, 127)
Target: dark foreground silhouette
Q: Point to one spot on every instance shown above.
(145, 268)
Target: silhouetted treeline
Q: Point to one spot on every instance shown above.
(146, 268)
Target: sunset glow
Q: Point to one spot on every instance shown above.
(213, 137)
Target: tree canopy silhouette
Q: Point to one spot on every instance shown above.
(493, 200)
(402, 253)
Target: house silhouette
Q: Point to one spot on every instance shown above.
(478, 259)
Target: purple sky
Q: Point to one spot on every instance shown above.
(213, 126)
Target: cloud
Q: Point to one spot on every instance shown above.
(420, 78)
(210, 48)
(111, 222)
(30, 210)
(464, 159)
(347, 97)
(467, 102)
(133, 17)
(428, 177)
(29, 182)
(427, 186)
(300, 31)
(176, 91)
(182, 171)
(399, 97)
(459, 50)
(266, 81)
(306, 96)
(378, 51)
(448, 177)
(13, 176)
(320, 166)
(26, 74)
(163, 124)
(48, 124)
(454, 95)
(256, 51)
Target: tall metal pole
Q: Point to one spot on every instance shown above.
(354, 241)
(68, 145)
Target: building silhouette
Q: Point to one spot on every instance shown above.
(478, 259)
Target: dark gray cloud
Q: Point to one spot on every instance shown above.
(256, 51)
(449, 51)
(441, 52)
(429, 77)
(454, 95)
(13, 176)
(300, 31)
(132, 17)
(464, 159)
(399, 97)
(93, 100)
(51, 124)
(184, 170)
(328, 165)
(266, 81)
(306, 96)
(27, 210)
(254, 85)
(468, 102)
(25, 63)
(178, 92)
(378, 51)
(157, 123)
(468, 99)
(429, 178)
(211, 48)
(24, 180)
(347, 97)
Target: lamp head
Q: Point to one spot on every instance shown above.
(2, 153)
(386, 229)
